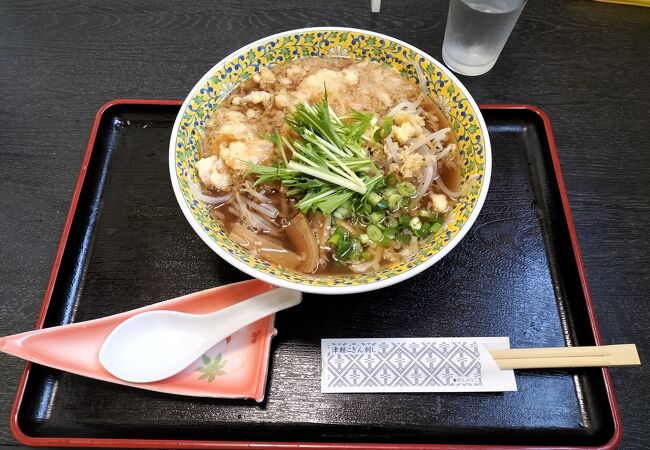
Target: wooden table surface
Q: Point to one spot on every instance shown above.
(586, 64)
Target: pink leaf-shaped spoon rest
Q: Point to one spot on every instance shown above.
(243, 356)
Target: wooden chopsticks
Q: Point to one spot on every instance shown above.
(562, 357)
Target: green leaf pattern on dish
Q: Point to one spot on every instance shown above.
(211, 368)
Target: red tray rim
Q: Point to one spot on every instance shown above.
(183, 443)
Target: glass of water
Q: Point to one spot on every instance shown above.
(476, 32)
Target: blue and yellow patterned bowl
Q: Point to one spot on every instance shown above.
(443, 87)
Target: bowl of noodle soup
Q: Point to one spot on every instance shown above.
(330, 160)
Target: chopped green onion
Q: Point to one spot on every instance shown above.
(415, 223)
(390, 233)
(376, 217)
(386, 193)
(386, 242)
(377, 135)
(388, 125)
(341, 212)
(435, 227)
(374, 198)
(365, 255)
(404, 220)
(343, 232)
(391, 222)
(406, 189)
(425, 230)
(394, 201)
(391, 179)
(334, 239)
(385, 130)
(364, 238)
(403, 238)
(349, 250)
(374, 233)
(343, 248)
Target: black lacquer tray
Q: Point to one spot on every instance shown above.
(517, 273)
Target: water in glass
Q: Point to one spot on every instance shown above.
(476, 32)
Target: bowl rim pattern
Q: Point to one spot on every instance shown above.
(338, 289)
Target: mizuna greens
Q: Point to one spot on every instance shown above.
(328, 167)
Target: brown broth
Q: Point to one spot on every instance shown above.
(450, 174)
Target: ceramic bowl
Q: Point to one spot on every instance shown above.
(330, 42)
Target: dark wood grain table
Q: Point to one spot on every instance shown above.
(586, 64)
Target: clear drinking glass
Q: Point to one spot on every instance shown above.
(476, 32)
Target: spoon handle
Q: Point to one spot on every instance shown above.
(235, 317)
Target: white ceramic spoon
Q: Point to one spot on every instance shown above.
(155, 345)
